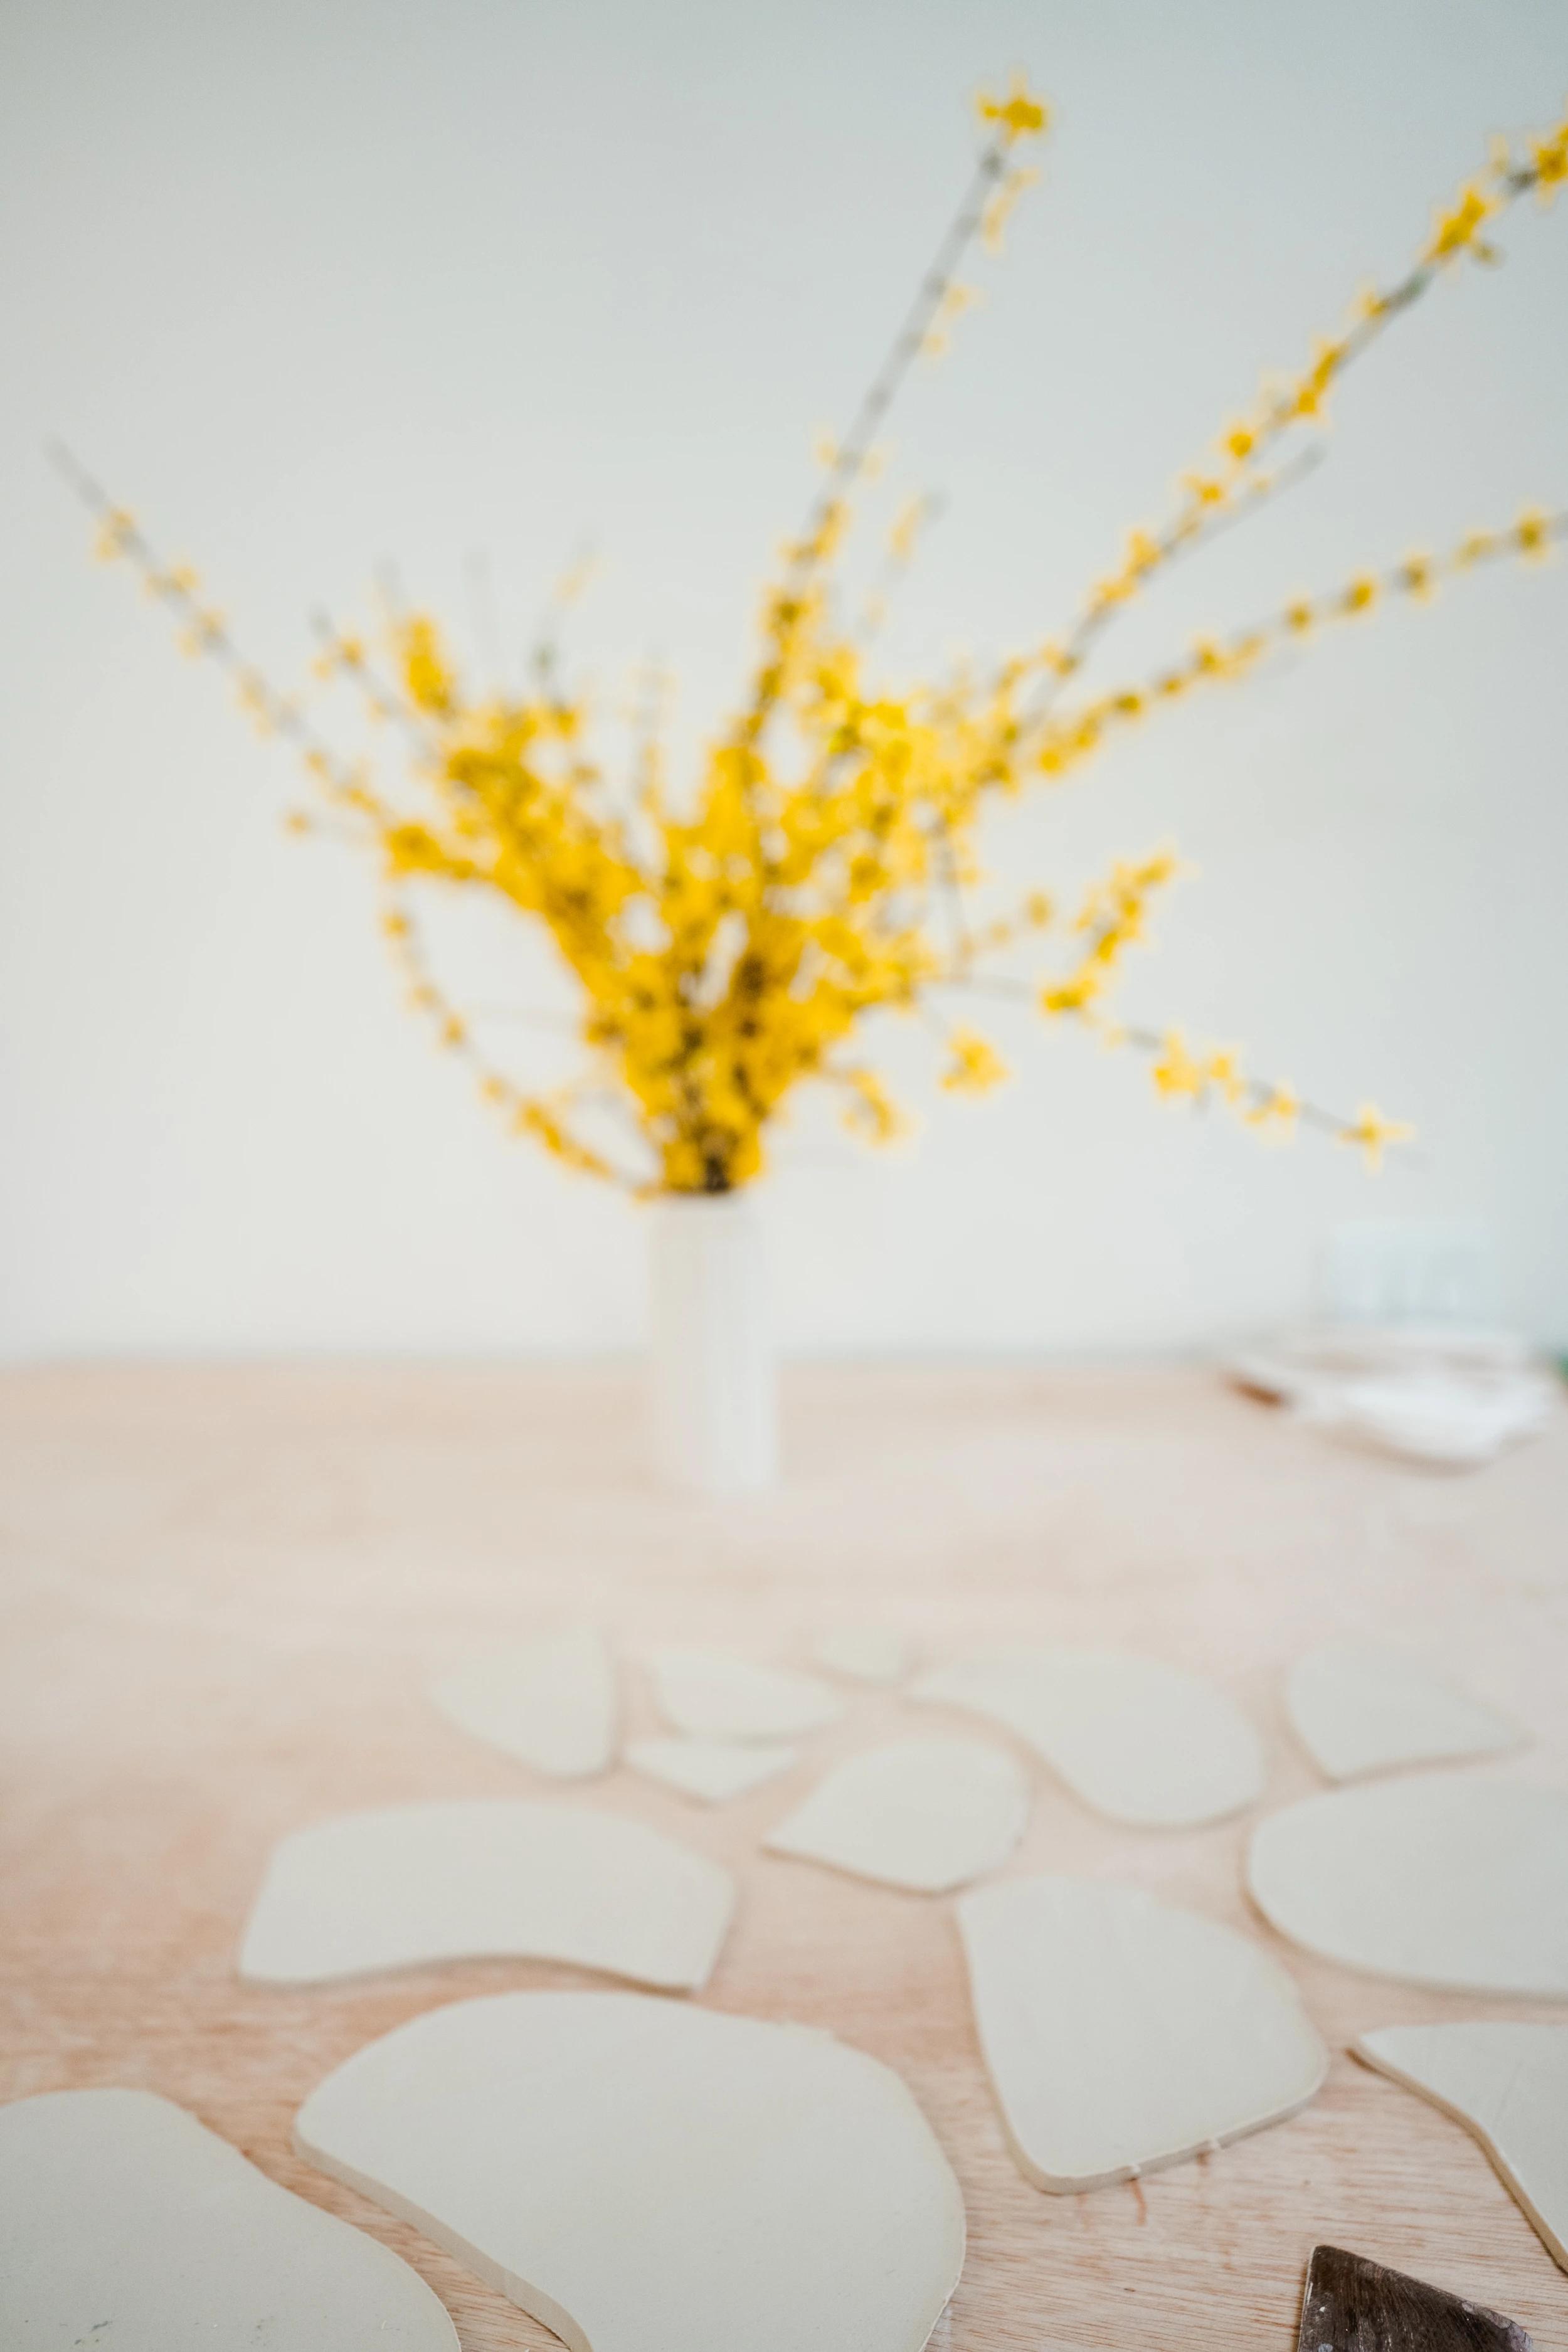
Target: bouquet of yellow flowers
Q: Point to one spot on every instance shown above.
(729, 940)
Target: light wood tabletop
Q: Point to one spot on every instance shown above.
(226, 1590)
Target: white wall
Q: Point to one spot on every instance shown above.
(311, 286)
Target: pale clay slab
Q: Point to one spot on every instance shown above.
(643, 2175)
(413, 1883)
(713, 1695)
(554, 1703)
(1371, 1706)
(125, 2224)
(1140, 1741)
(1508, 2084)
(1452, 1879)
(865, 1653)
(713, 1771)
(924, 1815)
(1122, 2034)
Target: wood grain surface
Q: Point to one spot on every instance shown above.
(225, 1591)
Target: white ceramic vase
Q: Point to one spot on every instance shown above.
(715, 1396)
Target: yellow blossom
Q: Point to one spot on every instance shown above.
(1276, 1111)
(427, 676)
(1459, 230)
(1372, 1134)
(999, 210)
(975, 1067)
(1019, 115)
(1549, 157)
(1534, 533)
(1176, 1072)
(729, 933)
(116, 534)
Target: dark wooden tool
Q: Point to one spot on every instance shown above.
(1354, 2306)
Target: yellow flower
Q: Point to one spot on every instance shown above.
(999, 211)
(1548, 160)
(1372, 1133)
(1175, 1072)
(1309, 393)
(116, 534)
(872, 1111)
(346, 652)
(1534, 533)
(1017, 115)
(425, 672)
(1072, 995)
(974, 1067)
(205, 635)
(1276, 1111)
(1459, 230)
(727, 932)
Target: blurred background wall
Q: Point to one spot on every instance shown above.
(315, 287)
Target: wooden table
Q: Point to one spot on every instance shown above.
(225, 1589)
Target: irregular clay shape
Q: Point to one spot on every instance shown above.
(1367, 1707)
(928, 1814)
(1142, 1741)
(648, 2177)
(1439, 1878)
(712, 1770)
(865, 1654)
(716, 1696)
(125, 2224)
(412, 1884)
(1506, 2084)
(552, 1704)
(1121, 2034)
(1354, 2306)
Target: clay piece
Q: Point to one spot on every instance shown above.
(1370, 1707)
(1508, 2084)
(1143, 1742)
(1352, 2306)
(644, 2177)
(714, 1696)
(926, 1814)
(410, 1885)
(713, 1771)
(125, 2224)
(1437, 1878)
(865, 1653)
(552, 1704)
(1122, 2034)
